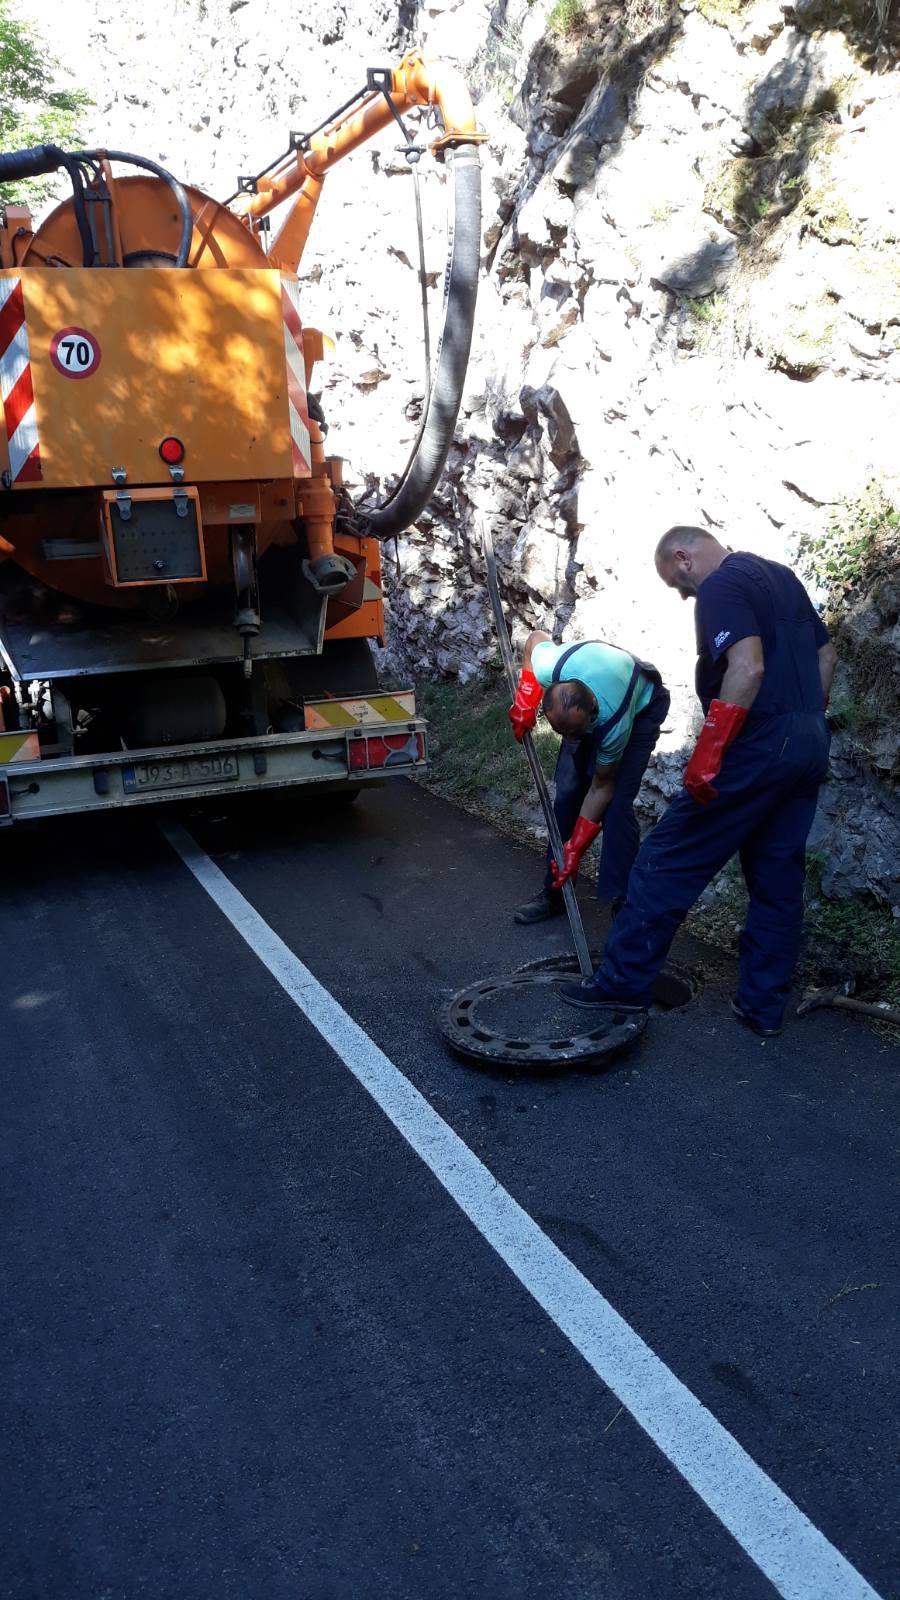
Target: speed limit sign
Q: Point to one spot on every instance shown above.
(75, 352)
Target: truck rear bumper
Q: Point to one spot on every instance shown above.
(60, 786)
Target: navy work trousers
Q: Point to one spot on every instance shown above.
(767, 792)
(621, 834)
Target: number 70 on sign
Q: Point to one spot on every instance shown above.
(75, 352)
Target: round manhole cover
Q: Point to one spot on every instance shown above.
(522, 1020)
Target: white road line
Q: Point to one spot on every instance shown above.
(796, 1558)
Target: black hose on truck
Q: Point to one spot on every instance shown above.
(419, 480)
(42, 159)
(38, 161)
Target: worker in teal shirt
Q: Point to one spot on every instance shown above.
(608, 707)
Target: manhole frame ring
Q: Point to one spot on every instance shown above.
(496, 1049)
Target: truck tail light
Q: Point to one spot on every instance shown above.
(385, 750)
(172, 451)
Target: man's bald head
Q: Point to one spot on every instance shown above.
(686, 555)
(570, 708)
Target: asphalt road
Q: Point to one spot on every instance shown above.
(252, 1348)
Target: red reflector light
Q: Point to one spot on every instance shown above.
(172, 452)
(385, 750)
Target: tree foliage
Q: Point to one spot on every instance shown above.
(34, 109)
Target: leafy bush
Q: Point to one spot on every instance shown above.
(856, 561)
(859, 541)
(33, 110)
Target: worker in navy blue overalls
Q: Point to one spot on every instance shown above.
(764, 674)
(608, 706)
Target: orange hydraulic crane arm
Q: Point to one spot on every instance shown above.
(417, 81)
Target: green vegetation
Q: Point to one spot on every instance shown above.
(721, 11)
(856, 937)
(828, 216)
(754, 193)
(856, 560)
(33, 110)
(566, 17)
(853, 938)
(710, 315)
(475, 759)
(804, 344)
(644, 16)
(706, 310)
(500, 67)
(865, 24)
(860, 542)
(860, 926)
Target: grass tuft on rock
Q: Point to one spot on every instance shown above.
(475, 760)
(566, 17)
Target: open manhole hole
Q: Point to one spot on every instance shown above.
(675, 987)
(522, 1021)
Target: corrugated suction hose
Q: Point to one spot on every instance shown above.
(419, 480)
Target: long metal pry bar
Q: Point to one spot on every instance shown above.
(540, 782)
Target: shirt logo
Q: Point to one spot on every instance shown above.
(721, 637)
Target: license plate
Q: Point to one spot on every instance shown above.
(147, 775)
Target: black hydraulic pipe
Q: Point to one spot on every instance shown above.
(42, 159)
(419, 480)
(88, 242)
(178, 190)
(36, 162)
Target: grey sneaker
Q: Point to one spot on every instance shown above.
(546, 903)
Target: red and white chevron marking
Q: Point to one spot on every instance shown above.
(16, 388)
(296, 378)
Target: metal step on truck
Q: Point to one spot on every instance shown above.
(187, 590)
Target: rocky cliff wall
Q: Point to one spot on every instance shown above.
(690, 308)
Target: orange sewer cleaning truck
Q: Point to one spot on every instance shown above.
(187, 589)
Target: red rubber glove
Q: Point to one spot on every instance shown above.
(524, 709)
(583, 834)
(723, 724)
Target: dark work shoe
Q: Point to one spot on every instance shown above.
(587, 995)
(751, 1023)
(546, 903)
